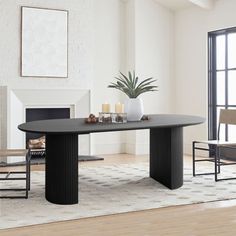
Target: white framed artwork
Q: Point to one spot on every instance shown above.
(44, 42)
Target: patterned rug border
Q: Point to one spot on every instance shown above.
(113, 214)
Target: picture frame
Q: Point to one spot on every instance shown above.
(44, 42)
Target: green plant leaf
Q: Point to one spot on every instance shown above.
(136, 82)
(129, 84)
(130, 79)
(122, 81)
(148, 80)
(127, 80)
(147, 89)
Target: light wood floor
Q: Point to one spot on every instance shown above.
(215, 218)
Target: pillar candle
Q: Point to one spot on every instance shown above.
(106, 107)
(119, 108)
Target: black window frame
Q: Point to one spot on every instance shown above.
(212, 81)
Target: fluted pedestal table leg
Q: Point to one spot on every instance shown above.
(62, 168)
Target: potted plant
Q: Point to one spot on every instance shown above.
(132, 88)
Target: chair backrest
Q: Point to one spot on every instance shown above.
(227, 117)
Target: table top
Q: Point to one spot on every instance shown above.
(78, 126)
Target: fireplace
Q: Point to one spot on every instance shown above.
(36, 142)
(15, 101)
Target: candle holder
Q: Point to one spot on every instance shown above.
(119, 117)
(105, 117)
(108, 117)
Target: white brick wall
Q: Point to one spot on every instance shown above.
(80, 44)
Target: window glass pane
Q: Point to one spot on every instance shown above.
(220, 99)
(220, 52)
(232, 87)
(222, 126)
(232, 50)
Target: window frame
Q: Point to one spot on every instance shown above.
(212, 81)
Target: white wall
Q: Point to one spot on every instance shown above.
(108, 59)
(136, 34)
(80, 42)
(154, 52)
(99, 47)
(3, 118)
(94, 52)
(191, 27)
(152, 56)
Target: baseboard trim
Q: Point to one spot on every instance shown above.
(112, 148)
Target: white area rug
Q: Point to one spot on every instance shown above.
(110, 190)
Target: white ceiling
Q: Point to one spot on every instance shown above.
(175, 4)
(181, 4)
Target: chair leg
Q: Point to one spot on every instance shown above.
(28, 157)
(216, 163)
(219, 161)
(29, 163)
(27, 175)
(193, 149)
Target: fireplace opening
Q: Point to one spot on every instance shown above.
(36, 142)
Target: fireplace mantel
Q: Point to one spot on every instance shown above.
(14, 104)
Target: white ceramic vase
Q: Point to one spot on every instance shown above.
(134, 109)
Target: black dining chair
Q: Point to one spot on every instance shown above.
(15, 175)
(214, 147)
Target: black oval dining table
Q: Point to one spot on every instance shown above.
(166, 150)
